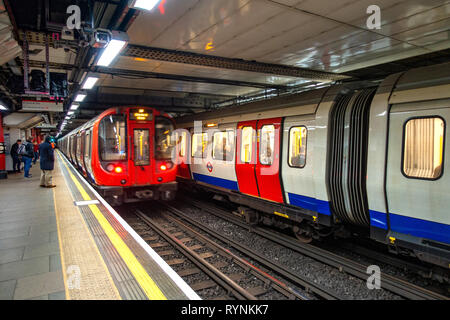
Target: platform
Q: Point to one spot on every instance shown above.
(68, 243)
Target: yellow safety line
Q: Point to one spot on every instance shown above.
(140, 274)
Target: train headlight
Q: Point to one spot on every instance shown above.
(163, 167)
(118, 169)
(110, 167)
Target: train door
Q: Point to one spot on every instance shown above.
(182, 148)
(418, 180)
(141, 146)
(268, 163)
(246, 158)
(82, 152)
(87, 152)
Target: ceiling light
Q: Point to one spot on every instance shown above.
(80, 97)
(74, 106)
(70, 113)
(144, 4)
(110, 52)
(89, 82)
(3, 107)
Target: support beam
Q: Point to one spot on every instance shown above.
(228, 63)
(176, 77)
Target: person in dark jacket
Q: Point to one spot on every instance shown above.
(15, 156)
(27, 157)
(47, 162)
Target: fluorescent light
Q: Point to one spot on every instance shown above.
(3, 107)
(145, 4)
(110, 52)
(70, 113)
(74, 106)
(80, 97)
(90, 82)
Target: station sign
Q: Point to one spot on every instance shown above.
(41, 106)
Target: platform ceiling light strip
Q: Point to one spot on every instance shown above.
(110, 52)
(144, 4)
(89, 83)
(74, 106)
(3, 107)
(80, 97)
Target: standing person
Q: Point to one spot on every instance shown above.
(27, 153)
(15, 156)
(35, 151)
(47, 163)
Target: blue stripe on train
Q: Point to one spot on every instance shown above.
(412, 226)
(224, 183)
(378, 219)
(309, 203)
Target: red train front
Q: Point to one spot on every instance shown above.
(126, 154)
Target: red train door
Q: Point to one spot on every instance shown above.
(268, 165)
(140, 151)
(246, 158)
(183, 152)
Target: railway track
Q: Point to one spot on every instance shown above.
(393, 284)
(211, 263)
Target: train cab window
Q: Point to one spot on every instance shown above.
(423, 148)
(297, 146)
(246, 144)
(199, 143)
(112, 138)
(267, 144)
(141, 147)
(163, 137)
(223, 145)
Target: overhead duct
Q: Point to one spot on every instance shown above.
(9, 48)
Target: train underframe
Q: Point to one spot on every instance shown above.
(119, 195)
(309, 225)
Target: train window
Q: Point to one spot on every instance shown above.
(267, 144)
(297, 146)
(141, 147)
(112, 138)
(163, 134)
(199, 143)
(246, 144)
(223, 145)
(182, 143)
(423, 148)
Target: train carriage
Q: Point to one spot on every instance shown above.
(126, 154)
(358, 156)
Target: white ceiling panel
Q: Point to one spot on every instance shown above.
(151, 25)
(316, 34)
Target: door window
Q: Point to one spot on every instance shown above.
(246, 144)
(267, 143)
(141, 147)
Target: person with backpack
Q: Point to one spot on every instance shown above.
(15, 156)
(26, 150)
(47, 163)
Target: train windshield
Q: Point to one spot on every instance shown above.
(164, 143)
(112, 138)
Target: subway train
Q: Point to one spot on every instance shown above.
(358, 157)
(125, 153)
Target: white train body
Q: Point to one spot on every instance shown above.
(350, 154)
